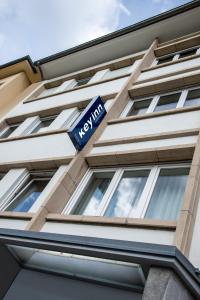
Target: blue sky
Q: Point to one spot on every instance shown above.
(43, 27)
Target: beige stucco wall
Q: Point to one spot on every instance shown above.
(10, 89)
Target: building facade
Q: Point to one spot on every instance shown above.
(15, 78)
(121, 217)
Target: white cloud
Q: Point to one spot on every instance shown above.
(164, 5)
(43, 27)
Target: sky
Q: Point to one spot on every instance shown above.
(40, 28)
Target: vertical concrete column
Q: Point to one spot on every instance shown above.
(98, 76)
(187, 215)
(163, 284)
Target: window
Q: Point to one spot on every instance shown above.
(163, 102)
(164, 60)
(94, 193)
(28, 193)
(167, 102)
(139, 107)
(8, 130)
(187, 53)
(168, 193)
(80, 82)
(176, 56)
(45, 122)
(193, 98)
(1, 175)
(145, 192)
(127, 193)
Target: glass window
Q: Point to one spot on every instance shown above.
(8, 131)
(140, 107)
(127, 194)
(92, 198)
(45, 122)
(168, 194)
(167, 102)
(193, 98)
(80, 82)
(154, 193)
(163, 60)
(1, 175)
(28, 194)
(187, 53)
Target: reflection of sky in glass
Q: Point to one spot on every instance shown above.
(192, 102)
(126, 195)
(93, 196)
(26, 204)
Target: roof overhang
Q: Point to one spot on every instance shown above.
(23, 64)
(166, 26)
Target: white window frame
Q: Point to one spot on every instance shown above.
(175, 55)
(155, 100)
(137, 212)
(20, 184)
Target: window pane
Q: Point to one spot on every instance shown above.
(45, 122)
(167, 102)
(82, 81)
(140, 107)
(187, 53)
(1, 175)
(168, 194)
(28, 196)
(193, 98)
(127, 193)
(164, 60)
(91, 199)
(10, 130)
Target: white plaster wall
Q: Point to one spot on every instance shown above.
(165, 70)
(168, 123)
(66, 98)
(128, 234)
(35, 148)
(13, 223)
(188, 140)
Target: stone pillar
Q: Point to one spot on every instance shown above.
(163, 284)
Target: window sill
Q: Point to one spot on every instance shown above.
(16, 215)
(106, 221)
(144, 138)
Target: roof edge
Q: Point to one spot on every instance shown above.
(18, 60)
(120, 32)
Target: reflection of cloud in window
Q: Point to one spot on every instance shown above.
(28, 202)
(94, 202)
(126, 195)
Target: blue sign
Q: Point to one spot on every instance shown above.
(87, 123)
